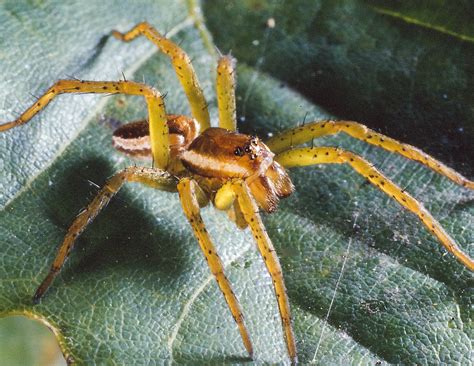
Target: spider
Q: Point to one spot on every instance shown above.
(238, 173)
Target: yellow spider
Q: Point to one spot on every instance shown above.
(238, 173)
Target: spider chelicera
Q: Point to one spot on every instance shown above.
(238, 173)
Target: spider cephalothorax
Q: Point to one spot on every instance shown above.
(237, 172)
(222, 154)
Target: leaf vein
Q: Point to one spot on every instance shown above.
(411, 20)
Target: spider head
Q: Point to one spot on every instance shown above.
(249, 146)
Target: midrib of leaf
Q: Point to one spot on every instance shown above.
(421, 23)
(189, 21)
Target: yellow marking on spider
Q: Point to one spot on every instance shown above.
(186, 189)
(265, 247)
(225, 90)
(156, 109)
(182, 65)
(302, 134)
(332, 155)
(152, 177)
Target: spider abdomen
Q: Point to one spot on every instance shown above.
(134, 138)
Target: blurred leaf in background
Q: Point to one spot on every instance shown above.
(403, 67)
(137, 288)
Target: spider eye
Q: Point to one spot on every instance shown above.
(247, 149)
(253, 141)
(238, 151)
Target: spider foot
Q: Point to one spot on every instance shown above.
(43, 287)
(36, 298)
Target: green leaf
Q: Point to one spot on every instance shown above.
(366, 281)
(402, 67)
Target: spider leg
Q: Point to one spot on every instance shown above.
(187, 192)
(150, 176)
(305, 133)
(250, 211)
(331, 155)
(225, 88)
(156, 109)
(182, 65)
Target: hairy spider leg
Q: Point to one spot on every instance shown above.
(189, 201)
(265, 247)
(332, 155)
(153, 177)
(156, 109)
(182, 65)
(305, 133)
(225, 88)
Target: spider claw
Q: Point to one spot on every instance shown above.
(249, 349)
(37, 297)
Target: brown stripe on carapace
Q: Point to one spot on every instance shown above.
(218, 152)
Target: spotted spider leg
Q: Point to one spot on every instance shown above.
(299, 135)
(265, 247)
(156, 109)
(332, 155)
(225, 90)
(182, 65)
(153, 177)
(187, 192)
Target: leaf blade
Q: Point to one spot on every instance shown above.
(137, 288)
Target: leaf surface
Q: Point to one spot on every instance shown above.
(137, 290)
